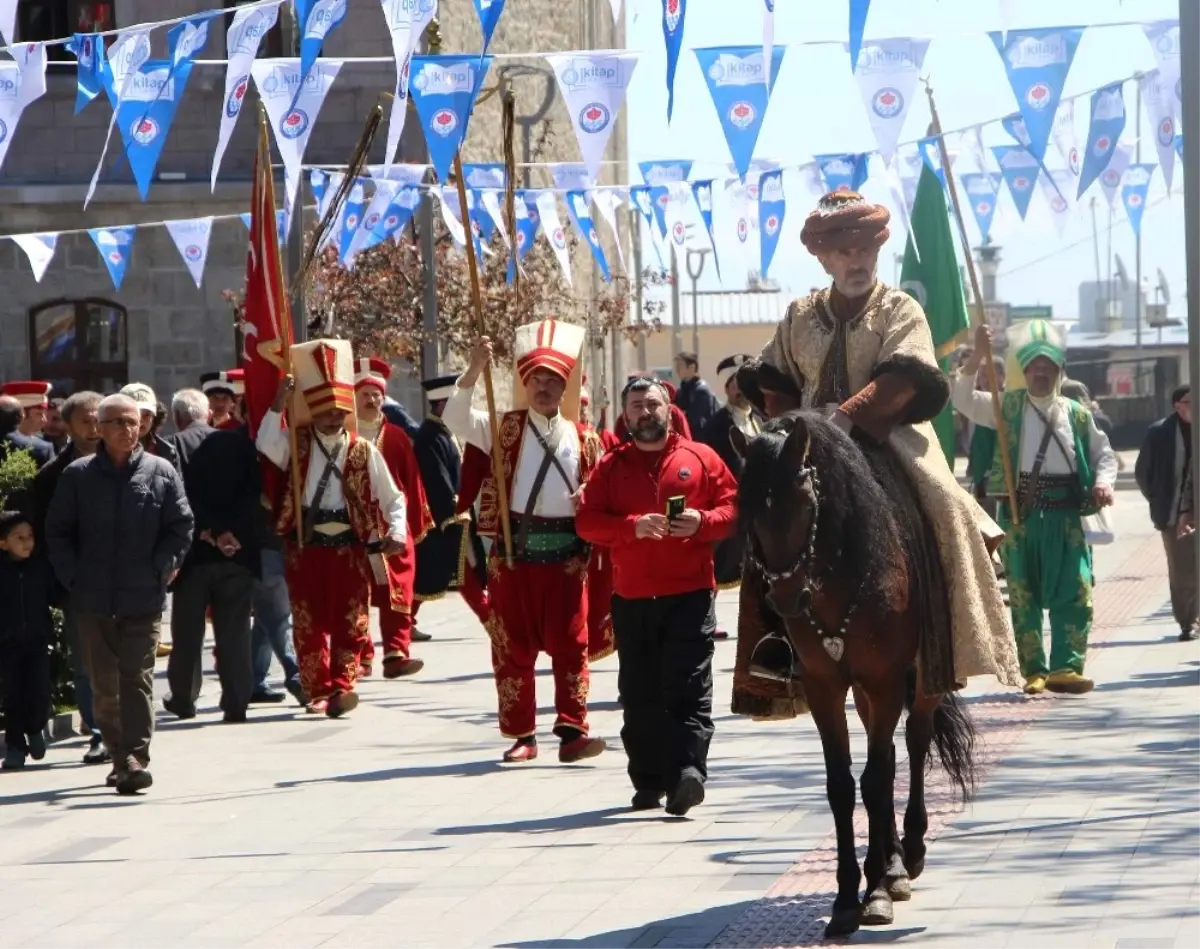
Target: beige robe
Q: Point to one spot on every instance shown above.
(893, 324)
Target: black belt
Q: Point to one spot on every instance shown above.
(547, 539)
(329, 528)
(1054, 492)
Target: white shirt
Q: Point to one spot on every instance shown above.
(273, 442)
(554, 500)
(976, 406)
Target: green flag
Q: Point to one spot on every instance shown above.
(933, 280)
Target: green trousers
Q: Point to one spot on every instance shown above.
(1049, 568)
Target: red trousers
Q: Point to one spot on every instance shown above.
(330, 590)
(538, 608)
(395, 628)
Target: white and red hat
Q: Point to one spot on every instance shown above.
(31, 394)
(218, 383)
(237, 379)
(324, 372)
(554, 346)
(370, 371)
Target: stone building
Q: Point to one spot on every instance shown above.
(76, 330)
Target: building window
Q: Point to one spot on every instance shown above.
(79, 344)
(42, 20)
(273, 44)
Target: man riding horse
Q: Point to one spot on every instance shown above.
(862, 352)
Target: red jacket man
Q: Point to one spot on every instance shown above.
(659, 503)
(395, 612)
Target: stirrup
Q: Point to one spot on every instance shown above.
(773, 658)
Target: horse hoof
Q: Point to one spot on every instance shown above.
(915, 867)
(877, 910)
(843, 922)
(898, 888)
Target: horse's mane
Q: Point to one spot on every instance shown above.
(857, 541)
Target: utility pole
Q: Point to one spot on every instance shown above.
(703, 255)
(636, 229)
(1189, 44)
(1137, 247)
(295, 236)
(676, 317)
(430, 355)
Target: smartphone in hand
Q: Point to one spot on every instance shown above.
(675, 506)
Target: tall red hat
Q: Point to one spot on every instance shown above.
(323, 369)
(237, 379)
(370, 371)
(31, 394)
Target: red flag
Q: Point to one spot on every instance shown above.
(267, 324)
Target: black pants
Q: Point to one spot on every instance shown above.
(25, 678)
(229, 589)
(666, 684)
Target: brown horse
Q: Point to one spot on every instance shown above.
(833, 527)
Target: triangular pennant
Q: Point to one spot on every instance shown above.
(192, 237)
(1104, 132)
(404, 174)
(674, 12)
(741, 90)
(593, 88)
(1020, 170)
(114, 245)
(527, 222)
(21, 83)
(293, 108)
(1112, 176)
(8, 21)
(452, 214)
(406, 22)
(702, 191)
(443, 89)
(858, 26)
(842, 172)
(146, 111)
(1134, 187)
(1056, 185)
(607, 201)
(242, 40)
(1161, 106)
(352, 216)
(316, 19)
(280, 217)
(768, 35)
(188, 38)
(1037, 63)
(489, 15)
(89, 51)
(571, 176)
(1067, 141)
(39, 248)
(398, 213)
(771, 208)
(1164, 41)
(548, 215)
(318, 181)
(126, 57)
(887, 74)
(580, 213)
(982, 197)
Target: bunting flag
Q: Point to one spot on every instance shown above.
(316, 20)
(406, 22)
(887, 76)
(1056, 184)
(242, 40)
(355, 203)
(744, 210)
(22, 82)
(145, 113)
(89, 52)
(1104, 132)
(527, 225)
(658, 174)
(768, 37)
(489, 15)
(1164, 41)
(1015, 126)
(1065, 139)
(607, 201)
(842, 172)
(547, 208)
(981, 193)
(740, 87)
(114, 244)
(128, 54)
(187, 38)
(642, 198)
(771, 207)
(616, 11)
(443, 89)
(8, 21)
(571, 176)
(679, 196)
(292, 106)
(580, 213)
(396, 215)
(1114, 174)
(971, 141)
(280, 217)
(191, 239)
(1020, 170)
(1134, 187)
(1006, 16)
(593, 87)
(39, 248)
(318, 181)
(673, 15)
(702, 191)
(452, 217)
(1037, 63)
(1161, 106)
(858, 25)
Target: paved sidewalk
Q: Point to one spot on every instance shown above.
(397, 826)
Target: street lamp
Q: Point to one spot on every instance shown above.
(701, 255)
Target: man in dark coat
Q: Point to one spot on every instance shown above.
(694, 396)
(1161, 473)
(12, 414)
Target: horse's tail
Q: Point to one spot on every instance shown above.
(954, 736)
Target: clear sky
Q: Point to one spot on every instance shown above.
(817, 108)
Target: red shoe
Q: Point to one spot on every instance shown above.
(366, 670)
(721, 634)
(521, 751)
(398, 666)
(317, 707)
(580, 748)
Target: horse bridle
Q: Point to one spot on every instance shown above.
(834, 642)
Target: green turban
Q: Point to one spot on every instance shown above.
(1042, 339)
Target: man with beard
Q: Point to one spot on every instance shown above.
(659, 503)
(395, 611)
(862, 352)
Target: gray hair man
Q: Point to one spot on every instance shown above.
(117, 531)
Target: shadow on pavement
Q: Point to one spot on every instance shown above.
(694, 929)
(543, 825)
(461, 769)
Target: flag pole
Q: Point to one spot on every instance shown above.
(1010, 483)
(477, 305)
(286, 334)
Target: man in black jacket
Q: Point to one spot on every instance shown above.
(694, 397)
(12, 413)
(220, 475)
(117, 531)
(1161, 471)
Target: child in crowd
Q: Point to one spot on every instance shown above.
(27, 590)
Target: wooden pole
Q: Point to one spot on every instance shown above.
(286, 333)
(1010, 483)
(477, 305)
